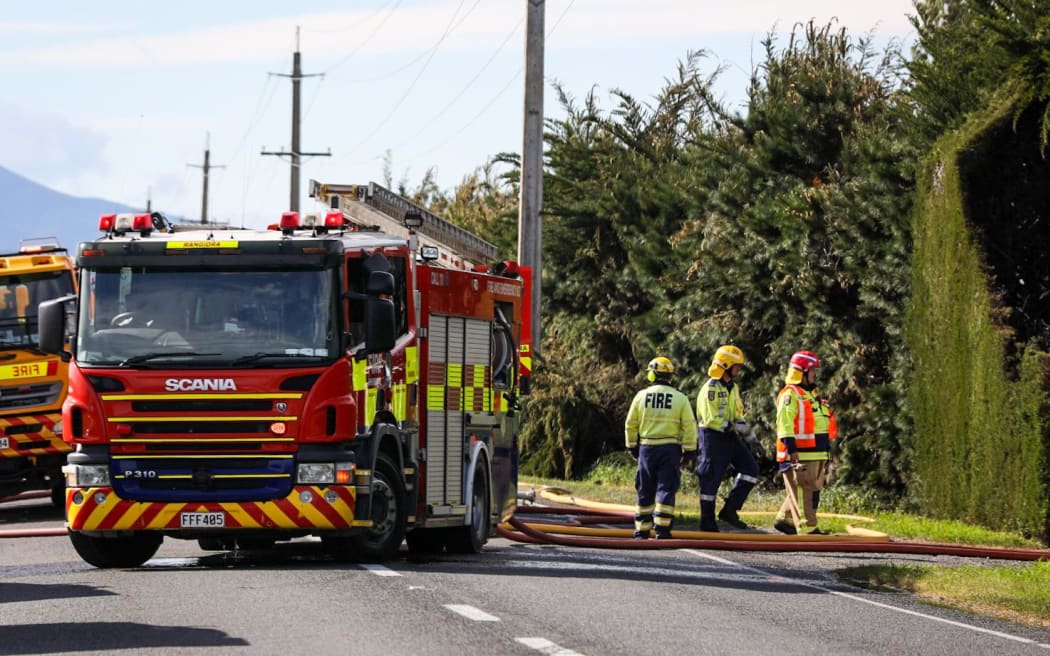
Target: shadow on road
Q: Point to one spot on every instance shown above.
(104, 636)
(18, 592)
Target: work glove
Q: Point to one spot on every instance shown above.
(633, 451)
(688, 458)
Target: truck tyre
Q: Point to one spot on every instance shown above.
(106, 553)
(471, 539)
(58, 496)
(388, 512)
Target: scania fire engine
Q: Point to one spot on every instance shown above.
(32, 384)
(352, 375)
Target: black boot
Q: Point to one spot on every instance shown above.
(707, 517)
(785, 526)
(730, 516)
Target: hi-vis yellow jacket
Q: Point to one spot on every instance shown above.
(805, 423)
(718, 405)
(660, 414)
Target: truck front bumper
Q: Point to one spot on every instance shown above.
(307, 508)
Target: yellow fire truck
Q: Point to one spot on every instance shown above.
(32, 384)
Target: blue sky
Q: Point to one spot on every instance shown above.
(117, 99)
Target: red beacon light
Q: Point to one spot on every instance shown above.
(107, 222)
(333, 220)
(289, 221)
(142, 223)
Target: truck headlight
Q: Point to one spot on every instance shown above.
(86, 475)
(316, 473)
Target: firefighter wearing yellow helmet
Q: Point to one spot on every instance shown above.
(660, 436)
(724, 439)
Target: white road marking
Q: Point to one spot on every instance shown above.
(471, 613)
(379, 570)
(844, 595)
(547, 647)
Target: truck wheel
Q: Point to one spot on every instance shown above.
(388, 512)
(116, 552)
(470, 539)
(58, 496)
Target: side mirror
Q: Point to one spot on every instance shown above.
(52, 325)
(380, 283)
(380, 321)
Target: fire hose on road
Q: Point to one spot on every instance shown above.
(30, 532)
(577, 531)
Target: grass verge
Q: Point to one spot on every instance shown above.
(1019, 594)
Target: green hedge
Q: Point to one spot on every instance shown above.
(979, 400)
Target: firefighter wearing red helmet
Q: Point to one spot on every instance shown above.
(805, 428)
(724, 438)
(660, 436)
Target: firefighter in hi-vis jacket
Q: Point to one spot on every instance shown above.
(805, 428)
(660, 436)
(724, 438)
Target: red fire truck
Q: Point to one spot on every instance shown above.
(32, 385)
(353, 375)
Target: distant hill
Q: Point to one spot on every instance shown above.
(32, 210)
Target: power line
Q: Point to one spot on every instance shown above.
(499, 93)
(433, 50)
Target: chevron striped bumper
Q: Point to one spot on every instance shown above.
(307, 508)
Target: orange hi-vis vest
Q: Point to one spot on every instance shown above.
(808, 425)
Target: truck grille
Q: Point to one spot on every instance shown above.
(202, 447)
(25, 396)
(182, 477)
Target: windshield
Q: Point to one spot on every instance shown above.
(20, 295)
(163, 318)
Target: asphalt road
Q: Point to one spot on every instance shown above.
(512, 599)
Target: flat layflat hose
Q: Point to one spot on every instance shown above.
(574, 534)
(563, 496)
(34, 494)
(30, 532)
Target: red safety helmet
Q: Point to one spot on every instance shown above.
(804, 361)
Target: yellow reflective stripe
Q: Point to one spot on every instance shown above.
(371, 396)
(139, 420)
(198, 397)
(360, 380)
(454, 375)
(399, 404)
(435, 397)
(812, 456)
(411, 364)
(658, 441)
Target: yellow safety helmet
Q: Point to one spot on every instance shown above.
(659, 367)
(725, 357)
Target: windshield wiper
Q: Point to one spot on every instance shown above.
(262, 356)
(145, 357)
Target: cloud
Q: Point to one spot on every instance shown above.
(45, 146)
(49, 28)
(461, 26)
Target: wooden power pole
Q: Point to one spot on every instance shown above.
(206, 169)
(296, 153)
(530, 206)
